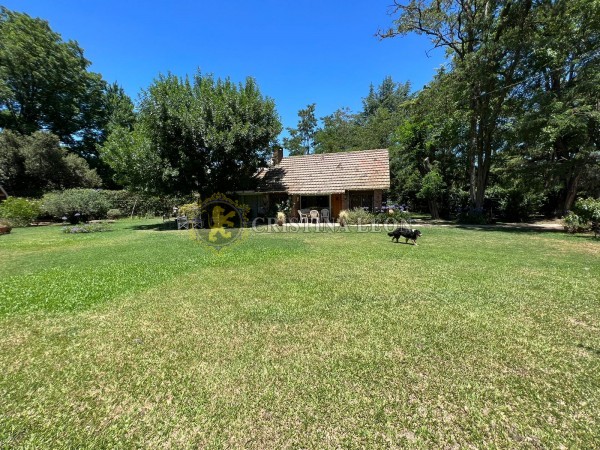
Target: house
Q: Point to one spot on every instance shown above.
(333, 181)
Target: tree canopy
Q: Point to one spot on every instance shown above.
(45, 85)
(32, 165)
(521, 86)
(302, 139)
(197, 134)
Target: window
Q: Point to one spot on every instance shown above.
(361, 199)
(314, 201)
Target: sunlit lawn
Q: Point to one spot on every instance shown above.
(143, 338)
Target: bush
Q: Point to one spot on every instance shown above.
(343, 217)
(5, 226)
(114, 214)
(20, 211)
(76, 204)
(588, 210)
(189, 210)
(281, 217)
(138, 204)
(285, 207)
(359, 216)
(87, 228)
(394, 217)
(572, 223)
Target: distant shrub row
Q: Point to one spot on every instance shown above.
(79, 205)
(86, 228)
(358, 216)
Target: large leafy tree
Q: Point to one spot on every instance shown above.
(301, 140)
(45, 85)
(556, 147)
(384, 109)
(428, 155)
(339, 133)
(487, 42)
(202, 135)
(31, 165)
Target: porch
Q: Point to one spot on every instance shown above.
(265, 205)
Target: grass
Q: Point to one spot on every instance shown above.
(142, 338)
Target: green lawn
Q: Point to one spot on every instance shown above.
(143, 338)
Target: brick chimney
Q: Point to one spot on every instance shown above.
(277, 155)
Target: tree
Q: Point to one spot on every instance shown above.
(373, 127)
(202, 135)
(389, 95)
(432, 190)
(487, 43)
(431, 138)
(45, 86)
(117, 113)
(31, 165)
(339, 133)
(302, 138)
(44, 83)
(558, 124)
(120, 110)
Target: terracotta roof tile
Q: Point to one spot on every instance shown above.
(328, 173)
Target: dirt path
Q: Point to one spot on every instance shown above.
(544, 225)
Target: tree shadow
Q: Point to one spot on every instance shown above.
(589, 237)
(510, 228)
(164, 226)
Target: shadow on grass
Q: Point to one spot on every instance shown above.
(524, 229)
(164, 226)
(510, 228)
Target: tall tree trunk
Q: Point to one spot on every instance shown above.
(572, 183)
(433, 209)
(484, 165)
(472, 150)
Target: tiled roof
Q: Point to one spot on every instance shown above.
(328, 173)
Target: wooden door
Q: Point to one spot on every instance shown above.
(336, 205)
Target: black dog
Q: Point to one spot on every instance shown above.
(405, 233)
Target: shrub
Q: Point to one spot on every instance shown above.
(5, 226)
(76, 204)
(343, 217)
(572, 223)
(359, 216)
(139, 204)
(189, 210)
(20, 211)
(285, 207)
(588, 210)
(87, 228)
(114, 214)
(281, 217)
(394, 217)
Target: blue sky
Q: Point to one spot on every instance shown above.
(300, 52)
